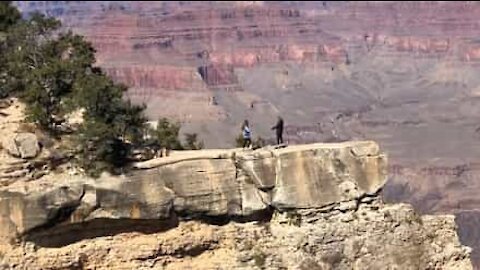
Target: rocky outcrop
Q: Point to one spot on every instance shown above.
(206, 183)
(372, 236)
(22, 145)
(318, 203)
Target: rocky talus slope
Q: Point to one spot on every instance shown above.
(311, 206)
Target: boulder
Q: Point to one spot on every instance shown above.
(22, 145)
(312, 177)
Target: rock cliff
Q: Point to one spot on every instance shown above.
(301, 207)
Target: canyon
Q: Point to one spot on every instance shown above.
(400, 73)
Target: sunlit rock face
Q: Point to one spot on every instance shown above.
(314, 205)
(216, 183)
(402, 73)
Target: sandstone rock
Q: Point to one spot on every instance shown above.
(404, 241)
(206, 183)
(22, 145)
(9, 145)
(5, 103)
(205, 186)
(317, 176)
(129, 198)
(323, 197)
(260, 167)
(20, 213)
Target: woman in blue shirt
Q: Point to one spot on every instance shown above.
(247, 135)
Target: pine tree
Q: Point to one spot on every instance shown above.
(9, 15)
(42, 66)
(54, 74)
(166, 135)
(112, 125)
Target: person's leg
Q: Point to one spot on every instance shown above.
(245, 142)
(280, 141)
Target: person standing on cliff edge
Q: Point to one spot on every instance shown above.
(247, 135)
(279, 130)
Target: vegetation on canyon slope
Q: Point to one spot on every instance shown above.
(53, 72)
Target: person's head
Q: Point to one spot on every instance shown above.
(245, 123)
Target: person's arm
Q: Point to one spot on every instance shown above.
(276, 126)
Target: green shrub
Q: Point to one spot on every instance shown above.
(192, 143)
(165, 135)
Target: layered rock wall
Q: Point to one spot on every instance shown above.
(235, 36)
(295, 208)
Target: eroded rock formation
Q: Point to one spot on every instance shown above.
(290, 208)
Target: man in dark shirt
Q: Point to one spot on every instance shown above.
(279, 128)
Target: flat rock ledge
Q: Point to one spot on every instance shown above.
(207, 183)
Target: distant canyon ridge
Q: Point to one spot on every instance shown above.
(405, 74)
